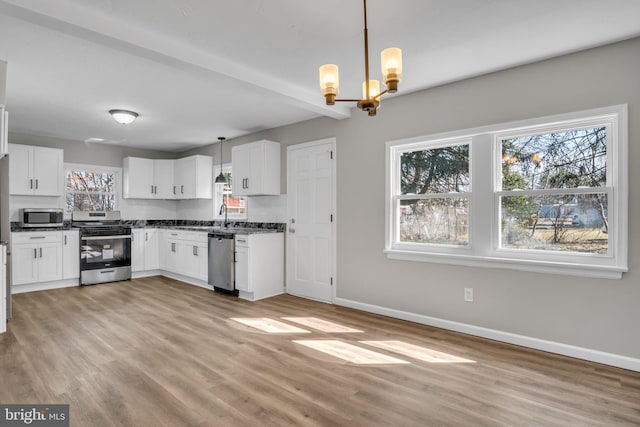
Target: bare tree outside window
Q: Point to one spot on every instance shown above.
(90, 191)
(564, 176)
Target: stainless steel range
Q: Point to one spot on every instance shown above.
(105, 247)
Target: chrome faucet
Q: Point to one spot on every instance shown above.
(223, 207)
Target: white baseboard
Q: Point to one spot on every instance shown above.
(145, 273)
(611, 359)
(44, 286)
(186, 279)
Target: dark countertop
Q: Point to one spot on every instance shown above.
(220, 230)
(237, 227)
(18, 229)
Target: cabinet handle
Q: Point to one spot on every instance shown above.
(37, 237)
(65, 240)
(242, 240)
(182, 189)
(31, 184)
(35, 253)
(173, 247)
(146, 236)
(152, 189)
(195, 250)
(174, 189)
(234, 257)
(40, 252)
(36, 184)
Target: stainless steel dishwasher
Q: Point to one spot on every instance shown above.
(221, 262)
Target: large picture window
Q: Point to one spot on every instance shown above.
(547, 195)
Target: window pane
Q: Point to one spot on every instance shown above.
(437, 170)
(567, 159)
(441, 221)
(90, 202)
(236, 206)
(570, 223)
(90, 181)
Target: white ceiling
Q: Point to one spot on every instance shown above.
(198, 69)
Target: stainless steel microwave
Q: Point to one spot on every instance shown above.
(39, 217)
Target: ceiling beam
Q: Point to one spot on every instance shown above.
(69, 19)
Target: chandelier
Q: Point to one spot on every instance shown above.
(391, 61)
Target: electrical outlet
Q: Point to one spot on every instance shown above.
(468, 294)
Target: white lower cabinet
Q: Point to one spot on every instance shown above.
(150, 243)
(36, 257)
(196, 259)
(144, 249)
(137, 250)
(185, 253)
(71, 254)
(259, 271)
(169, 250)
(3, 287)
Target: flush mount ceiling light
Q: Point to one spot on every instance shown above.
(391, 61)
(124, 117)
(221, 179)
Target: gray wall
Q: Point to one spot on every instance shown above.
(3, 82)
(592, 313)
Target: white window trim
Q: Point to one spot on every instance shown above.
(216, 209)
(96, 168)
(484, 185)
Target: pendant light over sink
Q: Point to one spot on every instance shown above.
(221, 179)
(391, 61)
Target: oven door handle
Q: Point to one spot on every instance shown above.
(128, 236)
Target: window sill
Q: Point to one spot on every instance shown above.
(571, 269)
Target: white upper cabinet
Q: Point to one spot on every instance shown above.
(187, 178)
(139, 178)
(163, 173)
(35, 171)
(4, 131)
(194, 177)
(256, 169)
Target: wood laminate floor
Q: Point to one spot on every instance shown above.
(158, 352)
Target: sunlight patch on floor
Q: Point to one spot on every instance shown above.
(321, 325)
(270, 325)
(417, 352)
(350, 353)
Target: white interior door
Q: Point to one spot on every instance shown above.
(311, 221)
